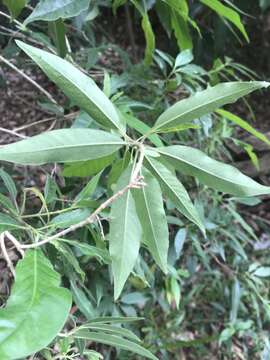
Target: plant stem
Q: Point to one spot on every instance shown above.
(5, 254)
(12, 66)
(135, 183)
(11, 132)
(139, 164)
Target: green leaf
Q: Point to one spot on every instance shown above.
(70, 218)
(143, 129)
(243, 124)
(164, 13)
(68, 258)
(150, 39)
(228, 13)
(7, 204)
(149, 205)
(88, 250)
(114, 330)
(115, 341)
(117, 168)
(220, 176)
(114, 320)
(89, 189)
(25, 325)
(51, 10)
(58, 33)
(87, 168)
(181, 127)
(184, 58)
(180, 21)
(8, 223)
(10, 185)
(125, 234)
(80, 88)
(174, 190)
(204, 102)
(82, 301)
(15, 6)
(148, 33)
(66, 145)
(181, 31)
(262, 272)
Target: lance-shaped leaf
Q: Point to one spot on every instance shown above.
(66, 145)
(204, 102)
(116, 341)
(8, 223)
(80, 88)
(15, 6)
(243, 124)
(174, 190)
(220, 176)
(24, 322)
(125, 234)
(228, 13)
(87, 168)
(149, 204)
(51, 10)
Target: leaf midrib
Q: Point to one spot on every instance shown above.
(194, 219)
(162, 124)
(124, 232)
(83, 91)
(58, 8)
(203, 170)
(152, 226)
(63, 147)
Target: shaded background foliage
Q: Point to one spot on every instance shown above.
(213, 303)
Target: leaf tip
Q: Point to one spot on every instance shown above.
(22, 45)
(265, 84)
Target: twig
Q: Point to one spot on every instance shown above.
(100, 227)
(5, 254)
(21, 28)
(11, 19)
(139, 164)
(134, 184)
(12, 132)
(40, 88)
(15, 242)
(68, 116)
(130, 30)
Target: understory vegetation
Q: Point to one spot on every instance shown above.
(134, 180)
